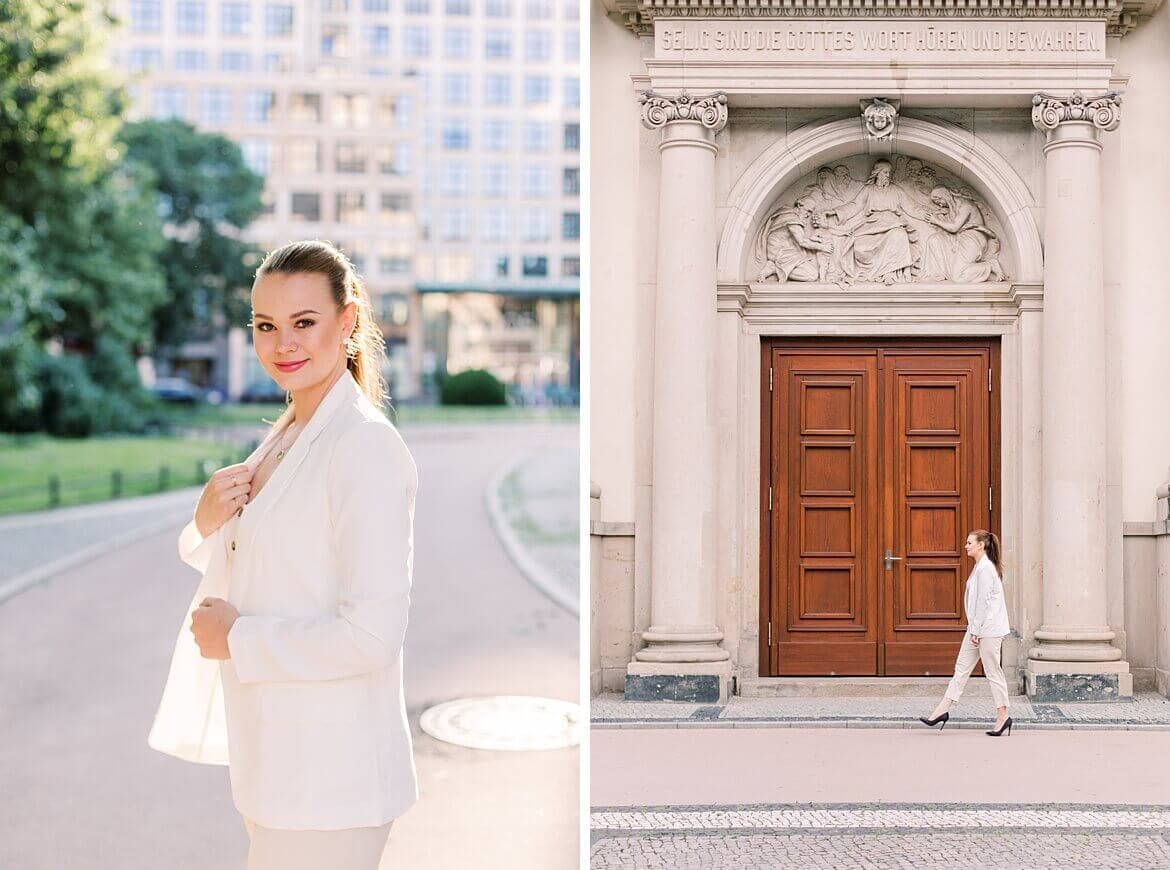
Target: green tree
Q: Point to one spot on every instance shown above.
(207, 195)
(79, 232)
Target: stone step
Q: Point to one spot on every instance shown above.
(855, 687)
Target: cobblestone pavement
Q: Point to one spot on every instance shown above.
(1146, 711)
(881, 836)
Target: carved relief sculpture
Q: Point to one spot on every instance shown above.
(879, 116)
(884, 231)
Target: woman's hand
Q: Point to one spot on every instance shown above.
(974, 641)
(224, 495)
(210, 623)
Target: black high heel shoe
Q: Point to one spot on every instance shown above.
(942, 717)
(1007, 724)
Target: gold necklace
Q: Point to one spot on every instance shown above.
(283, 449)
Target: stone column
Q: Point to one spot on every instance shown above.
(1074, 659)
(683, 659)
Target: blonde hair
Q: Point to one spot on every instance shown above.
(990, 547)
(365, 349)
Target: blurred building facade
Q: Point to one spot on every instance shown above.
(435, 141)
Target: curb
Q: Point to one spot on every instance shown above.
(15, 585)
(536, 574)
(856, 724)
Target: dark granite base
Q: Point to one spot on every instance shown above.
(696, 688)
(1073, 688)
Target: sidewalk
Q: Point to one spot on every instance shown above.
(1146, 712)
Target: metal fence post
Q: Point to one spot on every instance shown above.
(116, 483)
(164, 478)
(54, 491)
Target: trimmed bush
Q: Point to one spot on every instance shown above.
(472, 387)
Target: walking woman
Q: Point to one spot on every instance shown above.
(289, 669)
(987, 626)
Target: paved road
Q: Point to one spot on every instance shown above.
(685, 797)
(83, 657)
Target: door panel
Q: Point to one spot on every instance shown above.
(872, 446)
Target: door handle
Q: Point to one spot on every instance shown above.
(889, 558)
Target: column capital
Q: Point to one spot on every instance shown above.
(1103, 112)
(658, 110)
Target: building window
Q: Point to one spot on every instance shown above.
(215, 105)
(350, 157)
(146, 60)
(351, 110)
(304, 108)
(169, 102)
(403, 158)
(350, 207)
(334, 5)
(394, 210)
(535, 225)
(573, 137)
(497, 44)
(190, 17)
(497, 90)
(537, 89)
(377, 39)
(278, 19)
(571, 181)
(572, 44)
(496, 179)
(190, 60)
(235, 19)
(376, 5)
(335, 40)
(571, 225)
(418, 7)
(537, 136)
(457, 43)
(498, 8)
(572, 92)
(456, 225)
(456, 135)
(235, 61)
(535, 267)
(458, 7)
(257, 154)
(537, 45)
(302, 156)
(495, 224)
(145, 16)
(455, 179)
(392, 308)
(570, 267)
(306, 207)
(501, 267)
(538, 10)
(535, 182)
(258, 106)
(457, 89)
(497, 135)
(416, 41)
(274, 61)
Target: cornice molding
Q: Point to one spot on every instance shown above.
(1121, 16)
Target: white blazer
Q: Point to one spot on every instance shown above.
(984, 602)
(309, 708)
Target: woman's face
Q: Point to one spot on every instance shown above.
(297, 329)
(974, 548)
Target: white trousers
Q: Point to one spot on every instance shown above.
(988, 652)
(348, 849)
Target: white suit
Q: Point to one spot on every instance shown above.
(987, 619)
(309, 707)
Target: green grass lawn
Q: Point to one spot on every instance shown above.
(85, 467)
(228, 415)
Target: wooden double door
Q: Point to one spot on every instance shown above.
(878, 458)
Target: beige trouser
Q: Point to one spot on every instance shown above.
(988, 652)
(348, 849)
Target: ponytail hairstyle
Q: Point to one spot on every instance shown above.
(365, 348)
(990, 547)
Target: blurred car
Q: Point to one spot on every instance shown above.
(263, 390)
(176, 390)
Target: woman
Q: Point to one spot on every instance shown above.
(964, 247)
(987, 625)
(294, 677)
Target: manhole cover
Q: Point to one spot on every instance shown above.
(511, 722)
